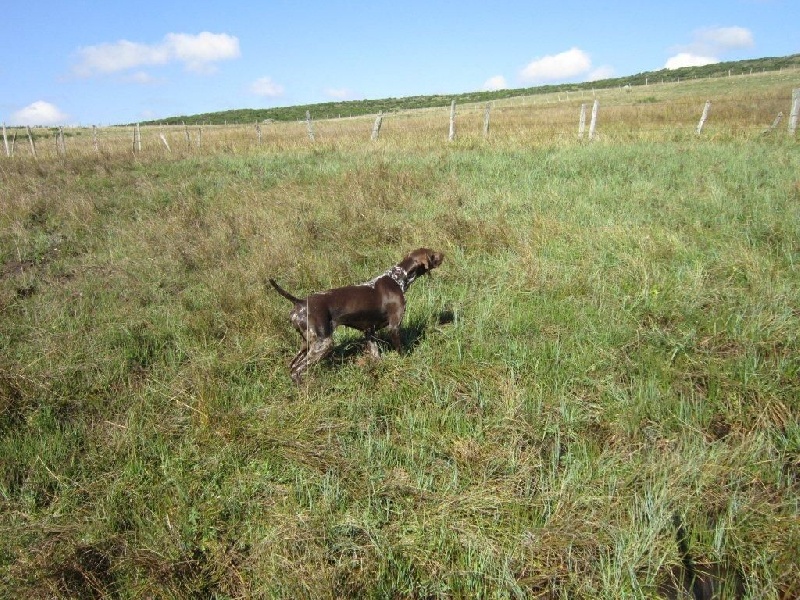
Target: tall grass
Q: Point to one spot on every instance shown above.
(610, 344)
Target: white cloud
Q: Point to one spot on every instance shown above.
(498, 82)
(266, 87)
(111, 58)
(686, 59)
(708, 44)
(197, 52)
(338, 93)
(39, 113)
(556, 67)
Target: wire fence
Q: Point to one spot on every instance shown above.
(652, 112)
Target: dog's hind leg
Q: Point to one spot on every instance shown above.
(317, 350)
(299, 318)
(299, 356)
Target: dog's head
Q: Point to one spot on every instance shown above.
(420, 261)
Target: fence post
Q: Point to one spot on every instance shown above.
(593, 123)
(795, 110)
(258, 132)
(5, 141)
(486, 114)
(582, 121)
(61, 148)
(703, 118)
(452, 135)
(376, 127)
(309, 127)
(137, 139)
(94, 139)
(775, 123)
(30, 139)
(163, 139)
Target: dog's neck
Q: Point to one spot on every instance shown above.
(397, 274)
(401, 277)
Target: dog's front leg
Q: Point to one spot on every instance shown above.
(394, 333)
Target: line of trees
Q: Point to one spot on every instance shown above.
(389, 105)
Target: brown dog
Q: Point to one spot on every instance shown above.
(377, 303)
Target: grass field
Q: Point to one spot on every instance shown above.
(608, 355)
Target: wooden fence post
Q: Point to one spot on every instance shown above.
(33, 145)
(593, 123)
(5, 141)
(452, 135)
(582, 121)
(309, 126)
(137, 139)
(376, 126)
(94, 139)
(795, 110)
(163, 139)
(61, 148)
(703, 118)
(775, 123)
(486, 115)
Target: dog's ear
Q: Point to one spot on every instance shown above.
(432, 259)
(424, 259)
(420, 258)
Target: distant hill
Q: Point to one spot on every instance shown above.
(388, 105)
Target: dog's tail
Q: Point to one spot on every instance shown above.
(283, 292)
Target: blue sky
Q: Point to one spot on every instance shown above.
(82, 62)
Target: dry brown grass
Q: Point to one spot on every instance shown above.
(742, 106)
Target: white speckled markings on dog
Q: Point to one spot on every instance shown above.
(398, 274)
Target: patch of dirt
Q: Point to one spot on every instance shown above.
(15, 267)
